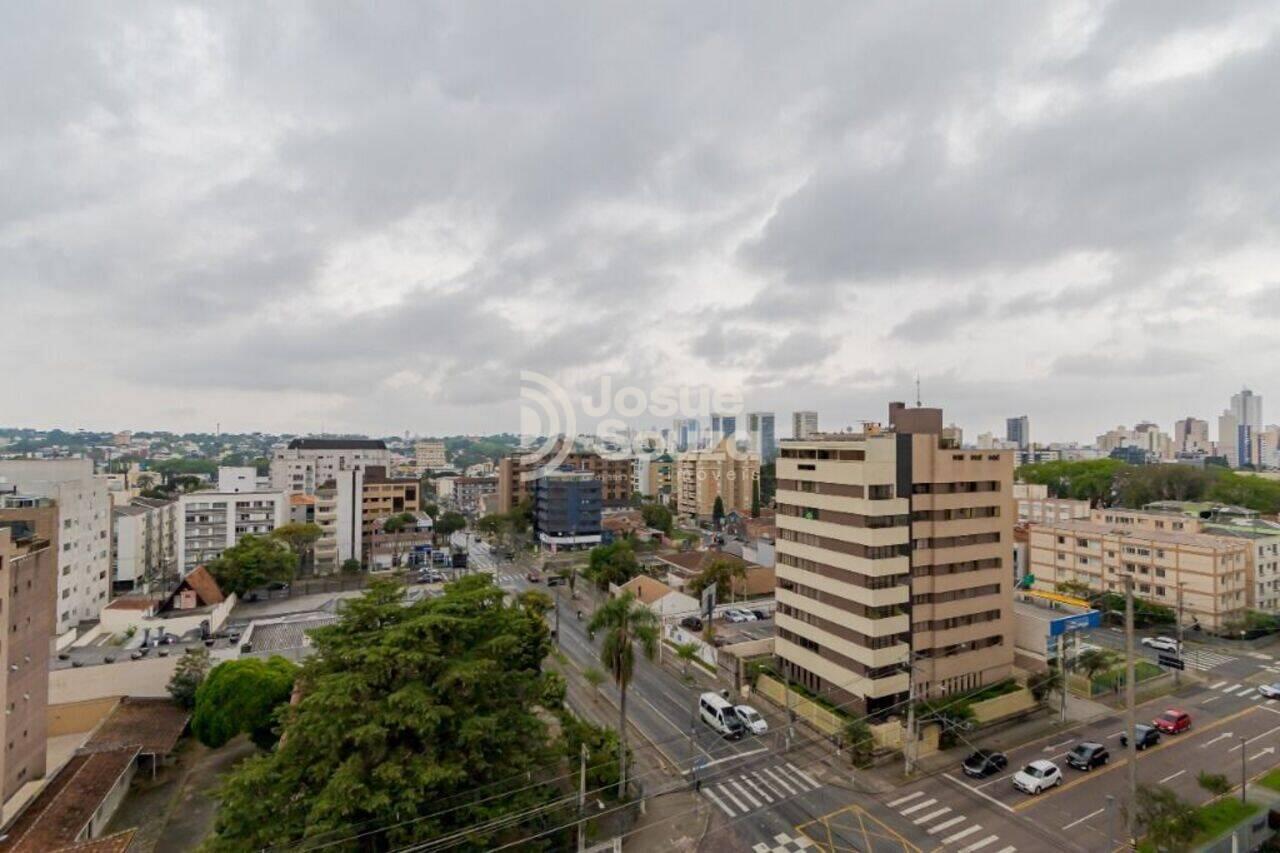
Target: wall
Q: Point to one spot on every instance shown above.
(146, 677)
(1003, 706)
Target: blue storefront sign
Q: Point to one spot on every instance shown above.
(1079, 622)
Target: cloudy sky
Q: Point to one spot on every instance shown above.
(363, 217)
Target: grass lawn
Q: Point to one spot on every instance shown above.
(1215, 818)
(1142, 670)
(1271, 780)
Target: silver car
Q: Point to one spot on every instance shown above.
(1271, 691)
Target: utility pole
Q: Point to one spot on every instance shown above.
(1062, 667)
(1130, 716)
(582, 797)
(909, 753)
(1244, 779)
(786, 675)
(1111, 823)
(557, 618)
(1177, 673)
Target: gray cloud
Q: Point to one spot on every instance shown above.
(376, 220)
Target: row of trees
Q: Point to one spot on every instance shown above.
(1109, 482)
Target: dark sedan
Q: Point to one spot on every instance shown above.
(984, 762)
(1147, 736)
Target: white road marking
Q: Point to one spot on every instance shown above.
(978, 845)
(1083, 819)
(946, 824)
(964, 833)
(785, 775)
(791, 791)
(805, 776)
(931, 815)
(729, 794)
(1256, 737)
(757, 788)
(908, 798)
(711, 796)
(744, 792)
(1232, 689)
(1115, 734)
(1172, 776)
(1009, 849)
(1054, 746)
(918, 806)
(983, 794)
(1216, 686)
(1214, 699)
(1246, 694)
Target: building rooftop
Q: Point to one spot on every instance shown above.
(278, 635)
(1205, 540)
(57, 816)
(151, 725)
(337, 444)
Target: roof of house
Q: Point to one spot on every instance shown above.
(646, 590)
(206, 588)
(695, 561)
(132, 602)
(58, 814)
(302, 500)
(151, 725)
(154, 503)
(117, 842)
(337, 444)
(1203, 540)
(128, 509)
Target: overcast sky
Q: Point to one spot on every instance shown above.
(372, 217)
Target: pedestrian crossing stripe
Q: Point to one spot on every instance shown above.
(936, 819)
(783, 843)
(749, 791)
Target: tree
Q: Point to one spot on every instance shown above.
(242, 696)
(1041, 684)
(658, 517)
(952, 717)
(1168, 822)
(625, 624)
(431, 509)
(1215, 783)
(594, 677)
(450, 523)
(404, 707)
(755, 498)
(1079, 589)
(253, 562)
(614, 563)
(188, 676)
(723, 573)
(300, 537)
(351, 566)
(717, 512)
(686, 652)
(860, 742)
(602, 750)
(1093, 661)
(394, 526)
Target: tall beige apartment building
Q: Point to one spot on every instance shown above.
(28, 585)
(429, 456)
(893, 558)
(515, 480)
(1162, 550)
(722, 472)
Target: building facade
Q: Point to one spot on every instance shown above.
(722, 472)
(469, 492)
(568, 509)
(892, 563)
(144, 538)
(339, 515)
(516, 476)
(1017, 431)
(1162, 550)
(763, 435)
(1035, 505)
(84, 530)
(383, 497)
(211, 522)
(803, 424)
(28, 596)
(429, 456)
(308, 463)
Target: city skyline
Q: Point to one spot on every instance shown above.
(340, 228)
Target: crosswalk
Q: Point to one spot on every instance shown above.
(505, 580)
(949, 827)
(1205, 661)
(783, 843)
(1237, 690)
(756, 789)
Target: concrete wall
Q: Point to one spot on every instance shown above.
(146, 677)
(1004, 706)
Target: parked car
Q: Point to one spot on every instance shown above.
(984, 763)
(533, 577)
(1145, 736)
(556, 580)
(747, 615)
(762, 615)
(1088, 755)
(1161, 644)
(716, 712)
(1271, 691)
(751, 719)
(1172, 721)
(693, 623)
(734, 616)
(1037, 776)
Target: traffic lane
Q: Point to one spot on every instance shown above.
(1080, 803)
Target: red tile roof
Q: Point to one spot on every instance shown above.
(63, 808)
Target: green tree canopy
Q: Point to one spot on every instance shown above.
(626, 624)
(1168, 822)
(722, 572)
(253, 562)
(242, 696)
(450, 523)
(658, 517)
(613, 563)
(406, 708)
(717, 512)
(187, 677)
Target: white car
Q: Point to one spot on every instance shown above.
(1271, 691)
(751, 719)
(732, 616)
(1161, 644)
(1037, 776)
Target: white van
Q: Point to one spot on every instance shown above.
(720, 715)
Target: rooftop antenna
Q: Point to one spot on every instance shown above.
(917, 390)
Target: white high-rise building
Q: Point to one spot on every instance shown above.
(84, 530)
(803, 424)
(1247, 408)
(308, 463)
(1229, 437)
(211, 522)
(763, 435)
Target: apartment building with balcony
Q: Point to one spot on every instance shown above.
(517, 472)
(308, 463)
(382, 496)
(339, 513)
(143, 544)
(724, 472)
(1162, 550)
(429, 456)
(568, 510)
(211, 522)
(892, 563)
(1035, 505)
(28, 597)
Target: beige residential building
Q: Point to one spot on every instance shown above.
(383, 497)
(429, 456)
(893, 558)
(1035, 505)
(28, 584)
(1162, 550)
(515, 477)
(722, 472)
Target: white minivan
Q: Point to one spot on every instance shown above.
(720, 715)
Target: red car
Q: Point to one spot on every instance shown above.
(1172, 721)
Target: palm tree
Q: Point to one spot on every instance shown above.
(625, 623)
(686, 652)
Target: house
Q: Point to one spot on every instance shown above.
(684, 566)
(658, 597)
